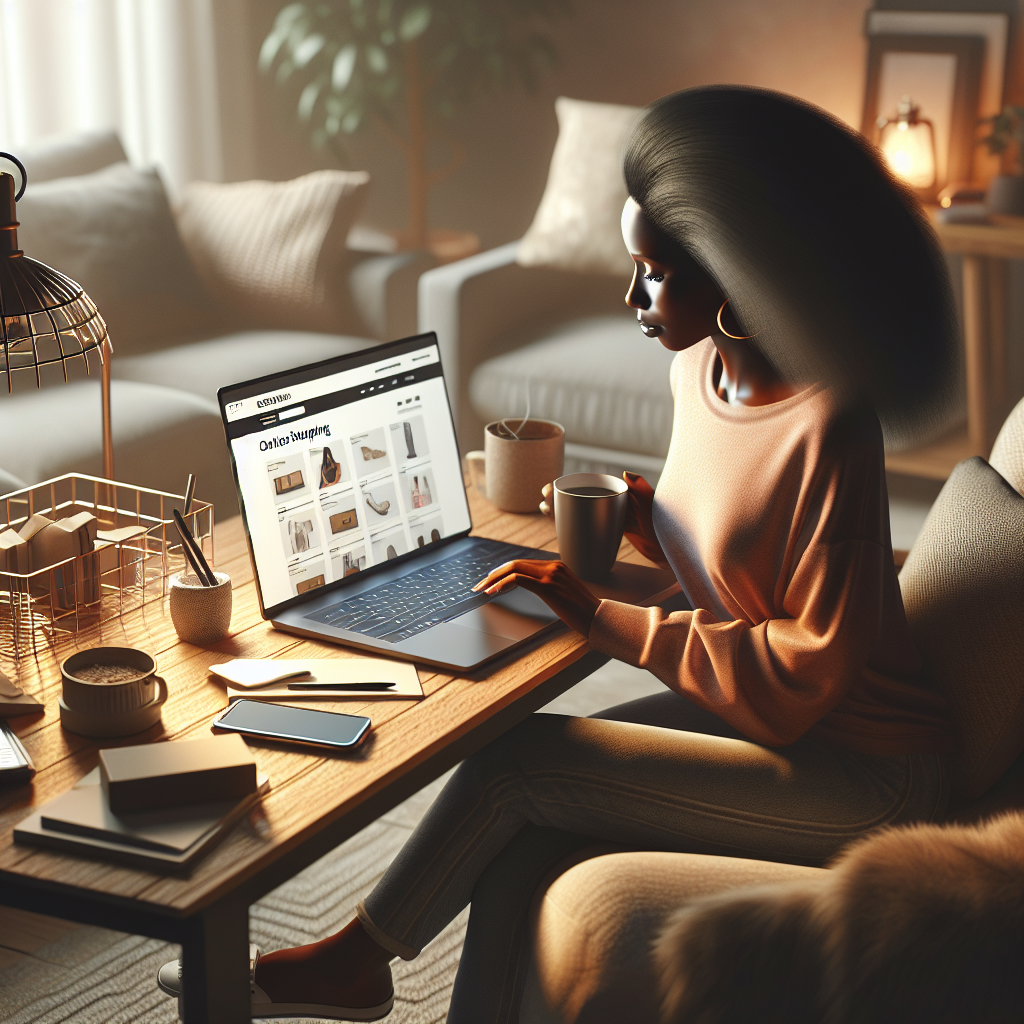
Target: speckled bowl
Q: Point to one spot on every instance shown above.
(201, 615)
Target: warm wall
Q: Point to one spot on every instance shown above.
(615, 51)
(622, 51)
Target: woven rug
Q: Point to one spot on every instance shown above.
(52, 972)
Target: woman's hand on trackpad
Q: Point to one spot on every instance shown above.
(553, 582)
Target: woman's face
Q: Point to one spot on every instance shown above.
(675, 300)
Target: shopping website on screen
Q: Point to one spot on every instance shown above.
(346, 471)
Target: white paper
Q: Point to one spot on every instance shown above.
(269, 679)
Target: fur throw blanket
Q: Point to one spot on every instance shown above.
(917, 925)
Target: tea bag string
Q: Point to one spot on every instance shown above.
(504, 423)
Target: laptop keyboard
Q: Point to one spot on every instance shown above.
(404, 607)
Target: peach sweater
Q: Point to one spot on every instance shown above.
(775, 521)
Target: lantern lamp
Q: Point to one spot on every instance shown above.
(907, 142)
(49, 327)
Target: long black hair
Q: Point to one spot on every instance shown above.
(820, 250)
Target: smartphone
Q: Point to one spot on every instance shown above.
(295, 725)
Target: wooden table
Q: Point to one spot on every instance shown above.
(316, 801)
(984, 249)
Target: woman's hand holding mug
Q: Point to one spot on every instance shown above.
(640, 519)
(639, 516)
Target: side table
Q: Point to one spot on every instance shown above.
(984, 249)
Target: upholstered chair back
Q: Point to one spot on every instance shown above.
(1007, 456)
(963, 589)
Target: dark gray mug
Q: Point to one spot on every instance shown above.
(590, 514)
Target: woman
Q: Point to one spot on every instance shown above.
(803, 294)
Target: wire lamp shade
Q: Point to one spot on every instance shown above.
(49, 327)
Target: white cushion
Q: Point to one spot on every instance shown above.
(204, 366)
(274, 251)
(601, 379)
(69, 155)
(113, 232)
(160, 436)
(576, 226)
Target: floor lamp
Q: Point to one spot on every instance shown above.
(49, 324)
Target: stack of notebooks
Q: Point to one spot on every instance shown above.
(110, 813)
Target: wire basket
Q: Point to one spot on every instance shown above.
(55, 604)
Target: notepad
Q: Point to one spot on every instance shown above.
(178, 773)
(268, 679)
(81, 821)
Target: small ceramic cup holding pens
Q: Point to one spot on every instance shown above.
(201, 599)
(201, 613)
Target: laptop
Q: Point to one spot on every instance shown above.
(355, 510)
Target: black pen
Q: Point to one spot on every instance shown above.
(187, 552)
(341, 686)
(194, 552)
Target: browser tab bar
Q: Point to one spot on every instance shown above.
(369, 375)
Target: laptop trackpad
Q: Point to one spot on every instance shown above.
(515, 615)
(450, 644)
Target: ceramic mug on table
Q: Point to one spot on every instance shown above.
(590, 515)
(518, 460)
(110, 691)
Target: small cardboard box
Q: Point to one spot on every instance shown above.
(177, 773)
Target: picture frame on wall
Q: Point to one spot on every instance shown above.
(942, 75)
(992, 26)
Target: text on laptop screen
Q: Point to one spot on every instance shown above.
(346, 470)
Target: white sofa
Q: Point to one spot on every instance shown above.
(174, 343)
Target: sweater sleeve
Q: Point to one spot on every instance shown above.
(775, 678)
(771, 680)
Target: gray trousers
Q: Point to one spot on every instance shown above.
(654, 774)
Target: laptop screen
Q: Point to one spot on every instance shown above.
(344, 465)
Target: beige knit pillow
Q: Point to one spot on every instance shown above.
(963, 589)
(273, 251)
(576, 226)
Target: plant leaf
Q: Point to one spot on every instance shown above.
(344, 64)
(377, 58)
(414, 22)
(289, 14)
(307, 101)
(271, 47)
(308, 49)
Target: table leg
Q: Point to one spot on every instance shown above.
(997, 326)
(215, 967)
(974, 343)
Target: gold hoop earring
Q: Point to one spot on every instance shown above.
(737, 337)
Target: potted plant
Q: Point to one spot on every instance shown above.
(405, 67)
(1006, 139)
